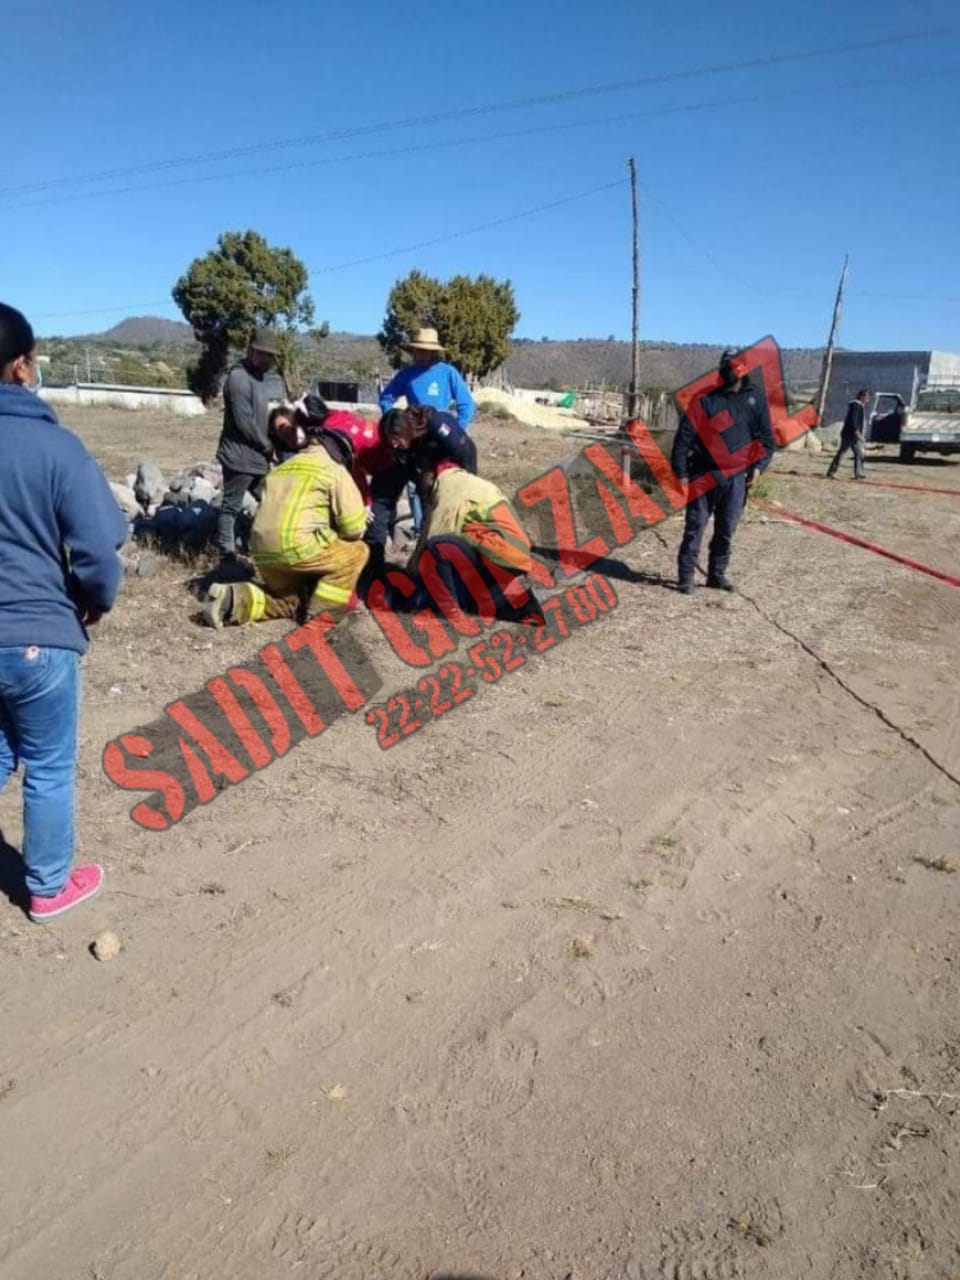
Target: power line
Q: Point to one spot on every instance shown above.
(719, 266)
(101, 311)
(469, 231)
(904, 297)
(461, 113)
(779, 292)
(414, 148)
(388, 253)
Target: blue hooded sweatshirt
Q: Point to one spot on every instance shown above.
(60, 528)
(439, 385)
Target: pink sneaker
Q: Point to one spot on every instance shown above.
(83, 883)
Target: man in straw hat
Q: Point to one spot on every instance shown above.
(428, 380)
(245, 446)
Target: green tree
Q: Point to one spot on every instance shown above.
(473, 316)
(226, 294)
(475, 319)
(412, 304)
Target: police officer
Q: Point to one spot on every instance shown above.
(691, 461)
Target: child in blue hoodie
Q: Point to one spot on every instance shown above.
(60, 531)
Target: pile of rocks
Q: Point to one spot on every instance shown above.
(179, 513)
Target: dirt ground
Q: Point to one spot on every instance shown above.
(642, 966)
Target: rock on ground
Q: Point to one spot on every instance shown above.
(149, 485)
(126, 499)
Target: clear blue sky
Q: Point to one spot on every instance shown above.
(747, 207)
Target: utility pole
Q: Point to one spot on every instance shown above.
(828, 354)
(633, 401)
(89, 378)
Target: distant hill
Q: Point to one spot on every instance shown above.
(143, 331)
(150, 350)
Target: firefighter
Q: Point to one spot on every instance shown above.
(307, 535)
(469, 522)
(724, 499)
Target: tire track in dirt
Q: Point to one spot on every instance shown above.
(236, 1051)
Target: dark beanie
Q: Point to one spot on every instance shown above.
(16, 336)
(315, 410)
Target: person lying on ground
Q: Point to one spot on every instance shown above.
(60, 531)
(307, 535)
(472, 547)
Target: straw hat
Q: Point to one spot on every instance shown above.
(424, 340)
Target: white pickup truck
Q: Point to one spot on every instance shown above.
(931, 424)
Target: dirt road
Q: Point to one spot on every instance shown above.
(642, 964)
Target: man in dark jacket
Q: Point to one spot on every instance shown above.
(852, 436)
(749, 421)
(245, 447)
(60, 531)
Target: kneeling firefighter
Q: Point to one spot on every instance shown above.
(307, 538)
(472, 548)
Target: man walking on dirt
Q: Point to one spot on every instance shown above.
(245, 447)
(749, 420)
(852, 436)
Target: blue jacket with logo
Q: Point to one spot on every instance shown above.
(439, 385)
(60, 528)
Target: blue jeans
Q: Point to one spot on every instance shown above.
(416, 508)
(39, 701)
(725, 503)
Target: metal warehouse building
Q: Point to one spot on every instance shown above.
(897, 371)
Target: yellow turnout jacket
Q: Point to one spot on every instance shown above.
(308, 504)
(475, 509)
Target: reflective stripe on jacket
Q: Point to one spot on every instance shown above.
(308, 503)
(474, 508)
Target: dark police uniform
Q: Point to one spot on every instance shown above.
(691, 460)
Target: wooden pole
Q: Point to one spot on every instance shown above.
(828, 354)
(633, 403)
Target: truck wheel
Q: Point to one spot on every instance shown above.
(908, 452)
